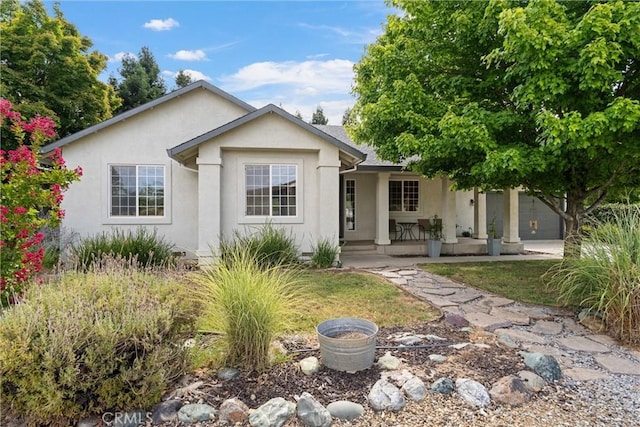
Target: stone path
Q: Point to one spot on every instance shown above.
(582, 354)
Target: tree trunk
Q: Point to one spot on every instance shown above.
(573, 217)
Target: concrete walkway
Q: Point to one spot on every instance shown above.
(582, 354)
(534, 250)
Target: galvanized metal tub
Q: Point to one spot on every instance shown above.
(348, 343)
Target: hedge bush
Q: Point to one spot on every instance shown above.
(95, 342)
(268, 245)
(141, 247)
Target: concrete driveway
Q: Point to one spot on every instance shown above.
(534, 250)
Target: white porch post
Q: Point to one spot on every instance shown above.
(479, 214)
(382, 209)
(448, 209)
(328, 189)
(209, 230)
(510, 223)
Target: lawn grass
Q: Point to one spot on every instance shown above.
(518, 280)
(331, 294)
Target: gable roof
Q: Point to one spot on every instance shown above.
(372, 162)
(189, 148)
(200, 84)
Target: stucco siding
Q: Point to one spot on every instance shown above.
(143, 139)
(273, 140)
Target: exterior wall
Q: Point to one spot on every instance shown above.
(464, 212)
(267, 140)
(144, 139)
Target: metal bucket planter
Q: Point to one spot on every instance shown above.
(347, 344)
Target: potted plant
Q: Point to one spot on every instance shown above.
(434, 242)
(494, 242)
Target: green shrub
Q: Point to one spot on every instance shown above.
(248, 304)
(94, 342)
(606, 277)
(268, 245)
(324, 254)
(142, 247)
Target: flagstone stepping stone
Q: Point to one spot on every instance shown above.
(535, 313)
(492, 301)
(514, 317)
(584, 374)
(439, 291)
(582, 344)
(439, 302)
(547, 328)
(464, 296)
(574, 328)
(618, 365)
(602, 339)
(487, 322)
(521, 336)
(407, 272)
(389, 274)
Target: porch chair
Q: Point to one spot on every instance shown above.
(424, 228)
(395, 229)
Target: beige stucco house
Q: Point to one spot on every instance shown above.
(198, 164)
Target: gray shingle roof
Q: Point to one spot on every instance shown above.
(372, 161)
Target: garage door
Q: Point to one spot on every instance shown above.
(549, 222)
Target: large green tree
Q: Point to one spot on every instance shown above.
(141, 80)
(48, 68)
(501, 94)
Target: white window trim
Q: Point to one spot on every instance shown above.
(107, 218)
(263, 219)
(420, 202)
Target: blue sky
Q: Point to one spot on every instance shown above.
(297, 54)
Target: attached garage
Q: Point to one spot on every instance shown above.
(549, 223)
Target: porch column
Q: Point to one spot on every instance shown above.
(382, 209)
(510, 223)
(208, 210)
(448, 209)
(479, 214)
(328, 209)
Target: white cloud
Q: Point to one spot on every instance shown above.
(332, 76)
(118, 57)
(161, 24)
(189, 55)
(195, 75)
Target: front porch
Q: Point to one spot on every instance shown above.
(463, 246)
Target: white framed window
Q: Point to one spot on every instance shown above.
(271, 190)
(137, 191)
(404, 196)
(350, 204)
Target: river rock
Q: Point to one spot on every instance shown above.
(274, 413)
(443, 385)
(233, 411)
(510, 390)
(196, 412)
(310, 365)
(472, 392)
(389, 362)
(345, 410)
(385, 396)
(414, 389)
(533, 382)
(312, 413)
(165, 411)
(544, 365)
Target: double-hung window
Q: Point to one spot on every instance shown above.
(403, 196)
(271, 190)
(137, 190)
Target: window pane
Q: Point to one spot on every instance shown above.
(257, 190)
(410, 196)
(283, 184)
(122, 186)
(350, 204)
(395, 196)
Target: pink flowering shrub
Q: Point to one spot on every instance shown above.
(30, 196)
